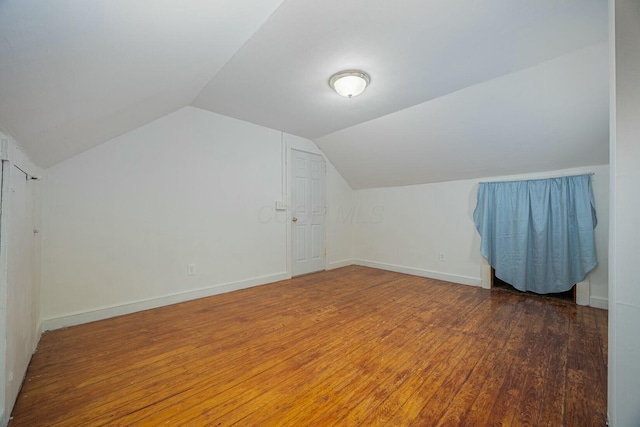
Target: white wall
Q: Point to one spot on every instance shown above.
(624, 313)
(123, 220)
(406, 228)
(19, 271)
(340, 207)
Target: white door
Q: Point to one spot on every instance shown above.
(308, 211)
(22, 315)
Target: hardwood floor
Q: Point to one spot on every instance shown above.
(353, 346)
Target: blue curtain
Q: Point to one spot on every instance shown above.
(538, 234)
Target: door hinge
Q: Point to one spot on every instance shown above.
(325, 251)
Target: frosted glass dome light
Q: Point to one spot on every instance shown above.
(349, 83)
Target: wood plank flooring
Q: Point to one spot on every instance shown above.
(353, 346)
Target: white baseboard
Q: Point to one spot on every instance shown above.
(132, 307)
(463, 280)
(599, 302)
(340, 264)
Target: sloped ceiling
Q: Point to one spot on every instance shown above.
(74, 74)
(546, 117)
(460, 88)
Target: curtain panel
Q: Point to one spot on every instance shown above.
(538, 234)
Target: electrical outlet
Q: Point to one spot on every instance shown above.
(10, 377)
(443, 257)
(191, 269)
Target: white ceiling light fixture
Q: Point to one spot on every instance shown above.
(349, 83)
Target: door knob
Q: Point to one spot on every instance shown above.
(294, 219)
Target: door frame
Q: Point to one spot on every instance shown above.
(4, 206)
(287, 149)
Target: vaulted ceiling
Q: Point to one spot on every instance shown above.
(460, 88)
